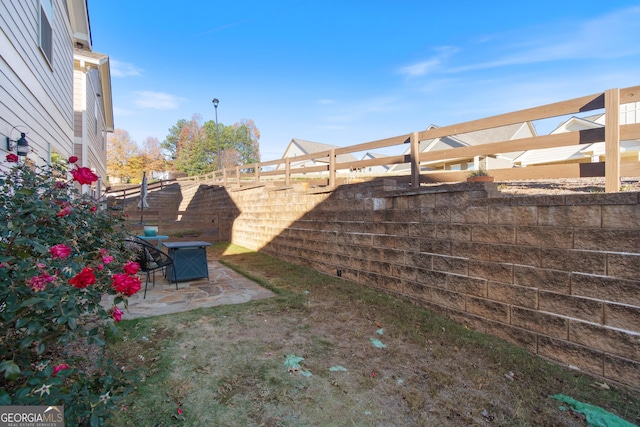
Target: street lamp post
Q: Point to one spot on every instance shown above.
(215, 105)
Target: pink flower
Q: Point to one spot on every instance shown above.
(61, 184)
(108, 259)
(84, 175)
(84, 278)
(131, 267)
(126, 284)
(104, 252)
(60, 251)
(73, 159)
(100, 267)
(116, 313)
(12, 158)
(93, 209)
(59, 368)
(179, 411)
(64, 212)
(39, 283)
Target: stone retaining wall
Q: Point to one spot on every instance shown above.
(558, 275)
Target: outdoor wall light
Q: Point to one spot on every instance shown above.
(21, 145)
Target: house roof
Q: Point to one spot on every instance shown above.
(309, 147)
(101, 62)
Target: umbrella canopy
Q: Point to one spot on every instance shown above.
(142, 204)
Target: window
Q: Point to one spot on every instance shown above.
(46, 29)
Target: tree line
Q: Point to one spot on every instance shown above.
(191, 147)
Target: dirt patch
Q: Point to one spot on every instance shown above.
(564, 186)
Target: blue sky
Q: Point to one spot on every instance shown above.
(352, 71)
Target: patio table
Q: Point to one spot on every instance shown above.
(189, 260)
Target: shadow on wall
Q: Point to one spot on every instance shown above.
(539, 271)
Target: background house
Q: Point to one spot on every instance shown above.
(40, 89)
(299, 147)
(485, 136)
(585, 153)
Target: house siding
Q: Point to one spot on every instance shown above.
(34, 95)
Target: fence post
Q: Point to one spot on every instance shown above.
(415, 160)
(224, 176)
(332, 167)
(612, 140)
(256, 171)
(238, 175)
(287, 172)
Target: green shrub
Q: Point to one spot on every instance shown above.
(60, 253)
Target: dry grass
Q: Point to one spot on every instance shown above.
(224, 366)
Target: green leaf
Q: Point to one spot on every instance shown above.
(31, 301)
(10, 369)
(5, 398)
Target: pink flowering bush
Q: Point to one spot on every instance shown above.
(59, 255)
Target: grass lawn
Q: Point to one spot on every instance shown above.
(326, 352)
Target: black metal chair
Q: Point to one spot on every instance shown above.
(151, 259)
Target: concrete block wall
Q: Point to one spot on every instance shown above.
(558, 275)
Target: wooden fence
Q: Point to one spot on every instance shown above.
(611, 134)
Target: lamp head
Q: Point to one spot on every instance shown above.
(21, 145)
(215, 102)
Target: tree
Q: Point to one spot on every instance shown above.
(195, 147)
(152, 158)
(120, 150)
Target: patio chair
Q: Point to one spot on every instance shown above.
(151, 259)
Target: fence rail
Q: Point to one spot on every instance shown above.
(327, 167)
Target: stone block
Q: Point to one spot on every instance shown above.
(586, 309)
(494, 271)
(493, 233)
(516, 254)
(607, 240)
(436, 215)
(470, 215)
(513, 215)
(467, 320)
(448, 299)
(518, 336)
(432, 278)
(571, 354)
(608, 340)
(452, 199)
(453, 232)
(420, 260)
(574, 261)
(417, 290)
(467, 285)
(570, 216)
(450, 264)
(512, 294)
(422, 230)
(623, 265)
(622, 370)
(472, 250)
(542, 278)
(621, 216)
(601, 199)
(433, 246)
(491, 310)
(545, 237)
(405, 272)
(606, 288)
(620, 316)
(537, 321)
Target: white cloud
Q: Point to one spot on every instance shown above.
(123, 69)
(429, 65)
(609, 36)
(326, 101)
(156, 100)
